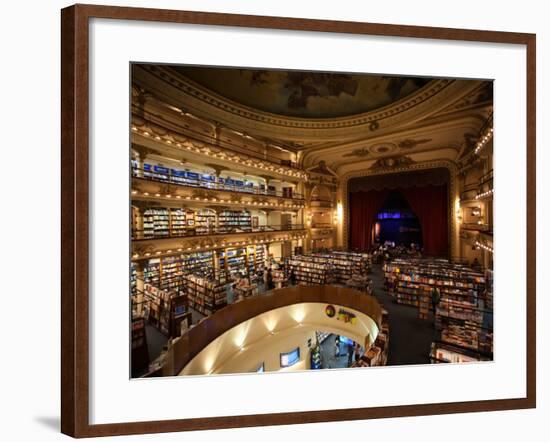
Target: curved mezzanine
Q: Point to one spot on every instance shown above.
(196, 340)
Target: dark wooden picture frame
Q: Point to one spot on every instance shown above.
(75, 221)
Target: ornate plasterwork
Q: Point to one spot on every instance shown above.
(371, 118)
(392, 163)
(410, 143)
(451, 166)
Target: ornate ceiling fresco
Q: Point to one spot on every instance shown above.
(304, 94)
(347, 122)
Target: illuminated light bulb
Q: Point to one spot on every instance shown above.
(146, 133)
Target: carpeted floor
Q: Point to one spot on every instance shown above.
(410, 337)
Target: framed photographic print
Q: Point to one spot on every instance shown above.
(394, 253)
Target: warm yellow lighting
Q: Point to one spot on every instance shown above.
(339, 212)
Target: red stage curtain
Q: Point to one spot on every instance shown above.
(364, 206)
(430, 205)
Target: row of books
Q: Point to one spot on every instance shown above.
(343, 264)
(205, 295)
(205, 180)
(307, 271)
(164, 222)
(463, 319)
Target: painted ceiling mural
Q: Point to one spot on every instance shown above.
(304, 94)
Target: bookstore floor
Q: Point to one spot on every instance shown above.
(410, 337)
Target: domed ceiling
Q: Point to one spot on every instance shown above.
(304, 94)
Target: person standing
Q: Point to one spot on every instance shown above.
(357, 352)
(350, 353)
(292, 277)
(270, 285)
(436, 298)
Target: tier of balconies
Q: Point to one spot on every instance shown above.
(157, 187)
(147, 248)
(482, 189)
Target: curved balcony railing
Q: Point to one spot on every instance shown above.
(174, 177)
(321, 225)
(138, 235)
(206, 331)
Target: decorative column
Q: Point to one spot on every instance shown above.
(140, 269)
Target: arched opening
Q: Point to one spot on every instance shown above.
(426, 193)
(396, 222)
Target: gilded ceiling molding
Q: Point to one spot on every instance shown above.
(419, 137)
(174, 89)
(372, 118)
(453, 172)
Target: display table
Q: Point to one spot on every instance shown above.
(245, 290)
(279, 279)
(362, 283)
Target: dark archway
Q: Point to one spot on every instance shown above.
(396, 222)
(427, 195)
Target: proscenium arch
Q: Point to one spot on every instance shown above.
(201, 335)
(454, 242)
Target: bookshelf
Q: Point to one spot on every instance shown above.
(140, 353)
(408, 280)
(344, 264)
(156, 223)
(178, 224)
(464, 315)
(315, 357)
(444, 353)
(231, 220)
(166, 310)
(249, 259)
(205, 222)
(205, 295)
(308, 271)
(151, 272)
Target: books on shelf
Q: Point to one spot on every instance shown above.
(156, 223)
(327, 267)
(231, 220)
(165, 309)
(205, 222)
(205, 295)
(463, 317)
(178, 221)
(308, 271)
